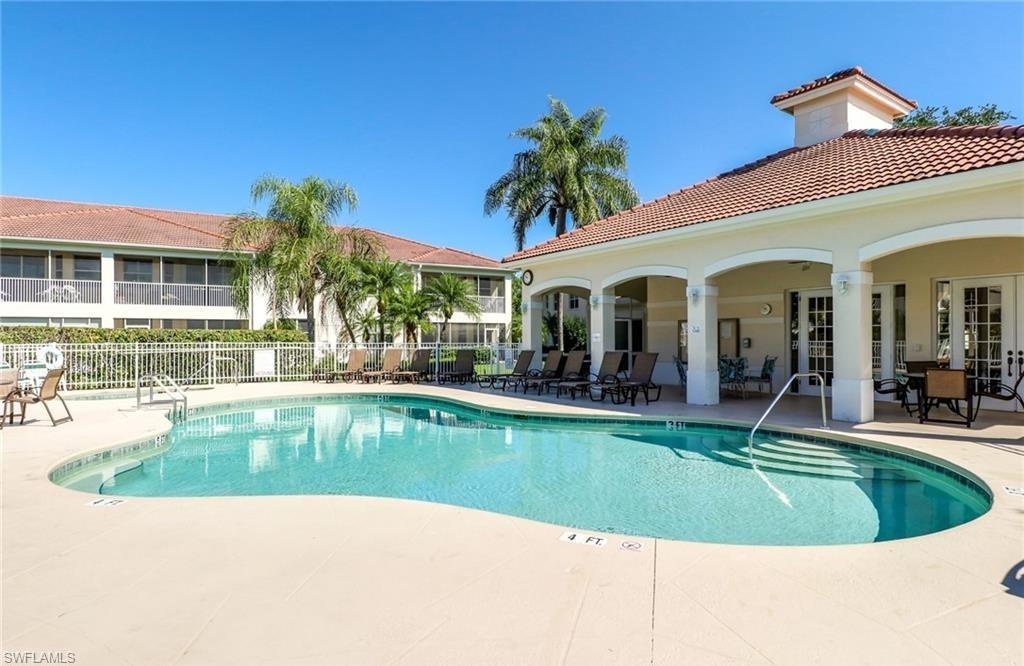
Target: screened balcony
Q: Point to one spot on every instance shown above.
(172, 281)
(44, 277)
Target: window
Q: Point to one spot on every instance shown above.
(184, 271)
(219, 272)
(574, 302)
(131, 323)
(87, 268)
(137, 270)
(22, 266)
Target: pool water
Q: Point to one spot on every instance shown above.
(692, 482)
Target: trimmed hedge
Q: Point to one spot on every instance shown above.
(43, 334)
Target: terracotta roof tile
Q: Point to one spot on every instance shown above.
(23, 217)
(838, 76)
(855, 162)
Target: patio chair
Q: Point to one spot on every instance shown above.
(573, 369)
(392, 359)
(465, 363)
(942, 386)
(897, 388)
(46, 393)
(732, 375)
(418, 370)
(681, 367)
(8, 386)
(551, 370)
(606, 374)
(639, 381)
(521, 369)
(765, 378)
(353, 367)
(996, 390)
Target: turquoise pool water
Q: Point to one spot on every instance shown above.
(669, 480)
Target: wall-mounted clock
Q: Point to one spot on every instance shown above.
(766, 309)
(527, 277)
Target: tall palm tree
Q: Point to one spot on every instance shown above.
(365, 322)
(287, 250)
(451, 293)
(411, 310)
(568, 173)
(382, 279)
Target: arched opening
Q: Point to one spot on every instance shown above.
(962, 301)
(565, 299)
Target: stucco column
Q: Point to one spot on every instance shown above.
(601, 326)
(533, 316)
(852, 389)
(107, 288)
(702, 344)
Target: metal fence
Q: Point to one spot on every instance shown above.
(121, 365)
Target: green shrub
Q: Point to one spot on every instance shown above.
(42, 334)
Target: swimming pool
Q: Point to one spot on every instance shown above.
(686, 481)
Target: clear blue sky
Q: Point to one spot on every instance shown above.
(183, 105)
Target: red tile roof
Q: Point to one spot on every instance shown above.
(857, 161)
(838, 76)
(23, 217)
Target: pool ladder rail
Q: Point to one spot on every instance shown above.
(167, 386)
(778, 396)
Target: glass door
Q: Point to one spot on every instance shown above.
(816, 338)
(983, 328)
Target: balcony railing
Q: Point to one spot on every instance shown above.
(491, 304)
(44, 290)
(165, 293)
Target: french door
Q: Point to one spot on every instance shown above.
(987, 331)
(816, 338)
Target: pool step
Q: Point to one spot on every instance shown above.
(798, 457)
(743, 460)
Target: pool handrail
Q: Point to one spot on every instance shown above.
(778, 396)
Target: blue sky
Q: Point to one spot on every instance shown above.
(183, 105)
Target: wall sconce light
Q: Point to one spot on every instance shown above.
(843, 284)
(594, 301)
(694, 295)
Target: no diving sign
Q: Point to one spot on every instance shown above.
(105, 502)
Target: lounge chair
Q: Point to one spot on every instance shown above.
(392, 359)
(572, 370)
(465, 362)
(47, 392)
(639, 381)
(606, 374)
(521, 369)
(551, 370)
(418, 370)
(353, 368)
(942, 386)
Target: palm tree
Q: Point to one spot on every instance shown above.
(411, 310)
(344, 292)
(287, 251)
(365, 322)
(382, 279)
(568, 173)
(449, 294)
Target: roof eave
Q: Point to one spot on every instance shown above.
(1000, 174)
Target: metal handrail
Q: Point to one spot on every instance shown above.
(167, 386)
(824, 418)
(213, 362)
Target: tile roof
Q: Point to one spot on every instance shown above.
(838, 76)
(857, 161)
(24, 217)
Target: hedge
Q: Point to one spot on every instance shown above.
(42, 334)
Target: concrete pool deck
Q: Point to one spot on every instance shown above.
(356, 580)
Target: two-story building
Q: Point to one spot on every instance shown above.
(113, 266)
